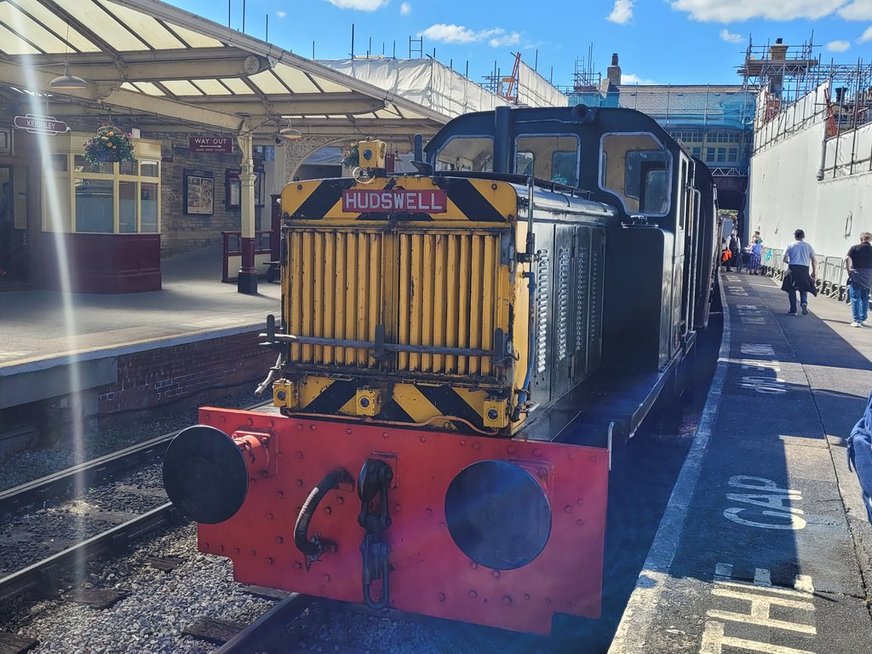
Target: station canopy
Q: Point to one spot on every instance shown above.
(170, 69)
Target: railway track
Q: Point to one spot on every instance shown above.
(52, 524)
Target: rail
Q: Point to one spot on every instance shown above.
(832, 278)
(269, 632)
(231, 259)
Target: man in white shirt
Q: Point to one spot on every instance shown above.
(800, 257)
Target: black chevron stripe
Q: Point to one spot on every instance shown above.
(450, 403)
(472, 203)
(321, 199)
(333, 398)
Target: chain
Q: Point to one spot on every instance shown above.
(374, 482)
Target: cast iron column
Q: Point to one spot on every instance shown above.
(247, 279)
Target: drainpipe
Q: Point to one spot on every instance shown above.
(246, 281)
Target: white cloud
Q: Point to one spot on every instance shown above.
(630, 78)
(361, 5)
(622, 12)
(281, 14)
(838, 46)
(730, 37)
(857, 10)
(866, 37)
(448, 33)
(405, 9)
(730, 11)
(504, 38)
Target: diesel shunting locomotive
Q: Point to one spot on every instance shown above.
(462, 354)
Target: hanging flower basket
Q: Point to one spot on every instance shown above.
(109, 145)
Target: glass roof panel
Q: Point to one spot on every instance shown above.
(268, 83)
(237, 86)
(29, 29)
(408, 113)
(181, 87)
(330, 87)
(101, 22)
(296, 80)
(58, 25)
(195, 39)
(155, 34)
(11, 44)
(212, 87)
(148, 88)
(127, 86)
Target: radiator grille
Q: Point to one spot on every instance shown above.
(334, 290)
(447, 297)
(564, 262)
(543, 284)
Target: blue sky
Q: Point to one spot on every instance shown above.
(659, 41)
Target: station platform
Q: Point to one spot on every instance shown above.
(109, 337)
(765, 545)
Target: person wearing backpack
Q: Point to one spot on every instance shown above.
(858, 262)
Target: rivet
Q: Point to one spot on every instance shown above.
(271, 423)
(474, 565)
(512, 449)
(263, 474)
(299, 187)
(348, 431)
(222, 419)
(269, 560)
(299, 454)
(235, 549)
(384, 434)
(299, 483)
(299, 427)
(526, 596)
(493, 187)
(206, 546)
(298, 565)
(548, 600)
(269, 516)
(473, 594)
(280, 495)
(537, 452)
(593, 459)
(279, 540)
(496, 574)
(326, 577)
(588, 607)
(252, 552)
(507, 600)
(279, 455)
(580, 501)
(543, 473)
(328, 510)
(340, 500)
(463, 441)
(249, 422)
(220, 548)
(567, 509)
(313, 427)
(476, 445)
(207, 416)
(429, 512)
(579, 522)
(423, 439)
(398, 508)
(441, 597)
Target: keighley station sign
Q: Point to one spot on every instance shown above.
(41, 124)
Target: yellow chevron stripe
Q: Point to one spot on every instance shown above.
(413, 402)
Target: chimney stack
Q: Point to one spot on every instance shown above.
(613, 73)
(778, 51)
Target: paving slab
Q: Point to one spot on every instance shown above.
(765, 546)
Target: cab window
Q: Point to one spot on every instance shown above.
(638, 169)
(469, 153)
(554, 158)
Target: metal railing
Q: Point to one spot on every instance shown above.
(831, 280)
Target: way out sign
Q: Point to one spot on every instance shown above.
(34, 124)
(210, 144)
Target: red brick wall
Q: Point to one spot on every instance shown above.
(164, 375)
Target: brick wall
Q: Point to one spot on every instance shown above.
(164, 375)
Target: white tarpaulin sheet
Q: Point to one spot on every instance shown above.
(536, 91)
(437, 87)
(424, 81)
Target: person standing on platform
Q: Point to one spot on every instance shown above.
(858, 261)
(755, 254)
(735, 250)
(800, 258)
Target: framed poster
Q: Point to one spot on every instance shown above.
(258, 187)
(232, 188)
(199, 192)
